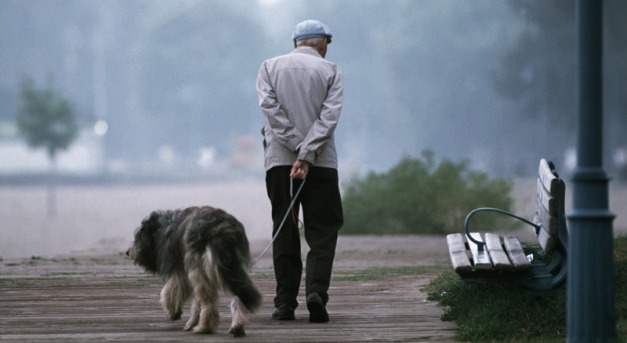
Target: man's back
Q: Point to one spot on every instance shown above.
(301, 81)
(304, 89)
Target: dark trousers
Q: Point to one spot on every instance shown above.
(322, 217)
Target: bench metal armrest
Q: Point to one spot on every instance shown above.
(480, 244)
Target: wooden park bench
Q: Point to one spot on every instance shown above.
(475, 254)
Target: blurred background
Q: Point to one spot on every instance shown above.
(171, 84)
(165, 91)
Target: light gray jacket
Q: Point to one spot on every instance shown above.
(300, 94)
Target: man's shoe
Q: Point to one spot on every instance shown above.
(283, 312)
(317, 310)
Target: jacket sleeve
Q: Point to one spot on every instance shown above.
(278, 121)
(323, 128)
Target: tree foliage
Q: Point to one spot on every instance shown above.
(205, 62)
(539, 73)
(419, 196)
(46, 119)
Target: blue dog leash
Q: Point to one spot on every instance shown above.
(287, 213)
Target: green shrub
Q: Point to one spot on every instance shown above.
(620, 296)
(419, 197)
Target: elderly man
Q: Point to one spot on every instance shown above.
(300, 94)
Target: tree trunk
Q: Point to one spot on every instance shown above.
(51, 199)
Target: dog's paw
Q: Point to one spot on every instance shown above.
(175, 316)
(237, 331)
(202, 329)
(190, 324)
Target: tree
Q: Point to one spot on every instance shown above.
(539, 73)
(46, 120)
(195, 77)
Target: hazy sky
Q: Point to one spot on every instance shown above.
(410, 84)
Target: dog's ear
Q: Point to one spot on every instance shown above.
(152, 222)
(149, 225)
(154, 216)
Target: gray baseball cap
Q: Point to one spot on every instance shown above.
(311, 29)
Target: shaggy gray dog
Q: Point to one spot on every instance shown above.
(199, 251)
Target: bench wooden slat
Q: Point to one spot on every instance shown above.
(458, 252)
(546, 176)
(547, 242)
(546, 220)
(516, 253)
(480, 258)
(546, 213)
(545, 199)
(499, 258)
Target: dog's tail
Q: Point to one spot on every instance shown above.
(232, 256)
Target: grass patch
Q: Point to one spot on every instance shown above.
(486, 310)
(262, 275)
(491, 311)
(132, 281)
(378, 273)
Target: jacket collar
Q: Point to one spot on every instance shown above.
(306, 50)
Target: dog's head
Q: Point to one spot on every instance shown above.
(143, 249)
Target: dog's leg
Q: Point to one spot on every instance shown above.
(209, 318)
(173, 296)
(168, 300)
(205, 287)
(194, 314)
(239, 316)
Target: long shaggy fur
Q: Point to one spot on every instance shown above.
(198, 251)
